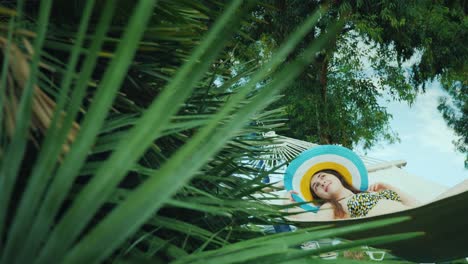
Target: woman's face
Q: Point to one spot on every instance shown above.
(325, 185)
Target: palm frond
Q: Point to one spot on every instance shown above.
(160, 166)
(16, 148)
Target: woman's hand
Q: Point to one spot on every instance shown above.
(379, 186)
(290, 197)
(289, 200)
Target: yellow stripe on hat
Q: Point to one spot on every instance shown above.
(305, 181)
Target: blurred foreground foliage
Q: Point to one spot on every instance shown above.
(129, 131)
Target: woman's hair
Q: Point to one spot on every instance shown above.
(338, 210)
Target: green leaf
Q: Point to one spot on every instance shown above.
(95, 117)
(284, 241)
(15, 150)
(45, 163)
(150, 195)
(124, 157)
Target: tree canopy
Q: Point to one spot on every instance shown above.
(336, 99)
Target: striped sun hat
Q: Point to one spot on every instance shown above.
(300, 171)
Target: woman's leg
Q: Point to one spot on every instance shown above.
(459, 188)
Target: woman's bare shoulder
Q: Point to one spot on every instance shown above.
(326, 206)
(326, 211)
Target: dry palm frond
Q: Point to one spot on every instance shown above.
(42, 105)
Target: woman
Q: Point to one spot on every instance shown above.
(331, 182)
(339, 200)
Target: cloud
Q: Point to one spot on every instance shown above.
(432, 130)
(387, 153)
(426, 140)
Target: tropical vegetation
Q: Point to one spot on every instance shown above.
(129, 131)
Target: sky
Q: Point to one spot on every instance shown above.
(426, 140)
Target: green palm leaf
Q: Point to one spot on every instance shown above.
(47, 158)
(162, 166)
(15, 150)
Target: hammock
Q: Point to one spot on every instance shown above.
(284, 149)
(444, 222)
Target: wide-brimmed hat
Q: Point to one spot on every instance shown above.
(340, 159)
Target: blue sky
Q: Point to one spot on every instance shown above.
(426, 141)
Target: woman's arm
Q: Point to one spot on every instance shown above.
(386, 207)
(405, 198)
(325, 213)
